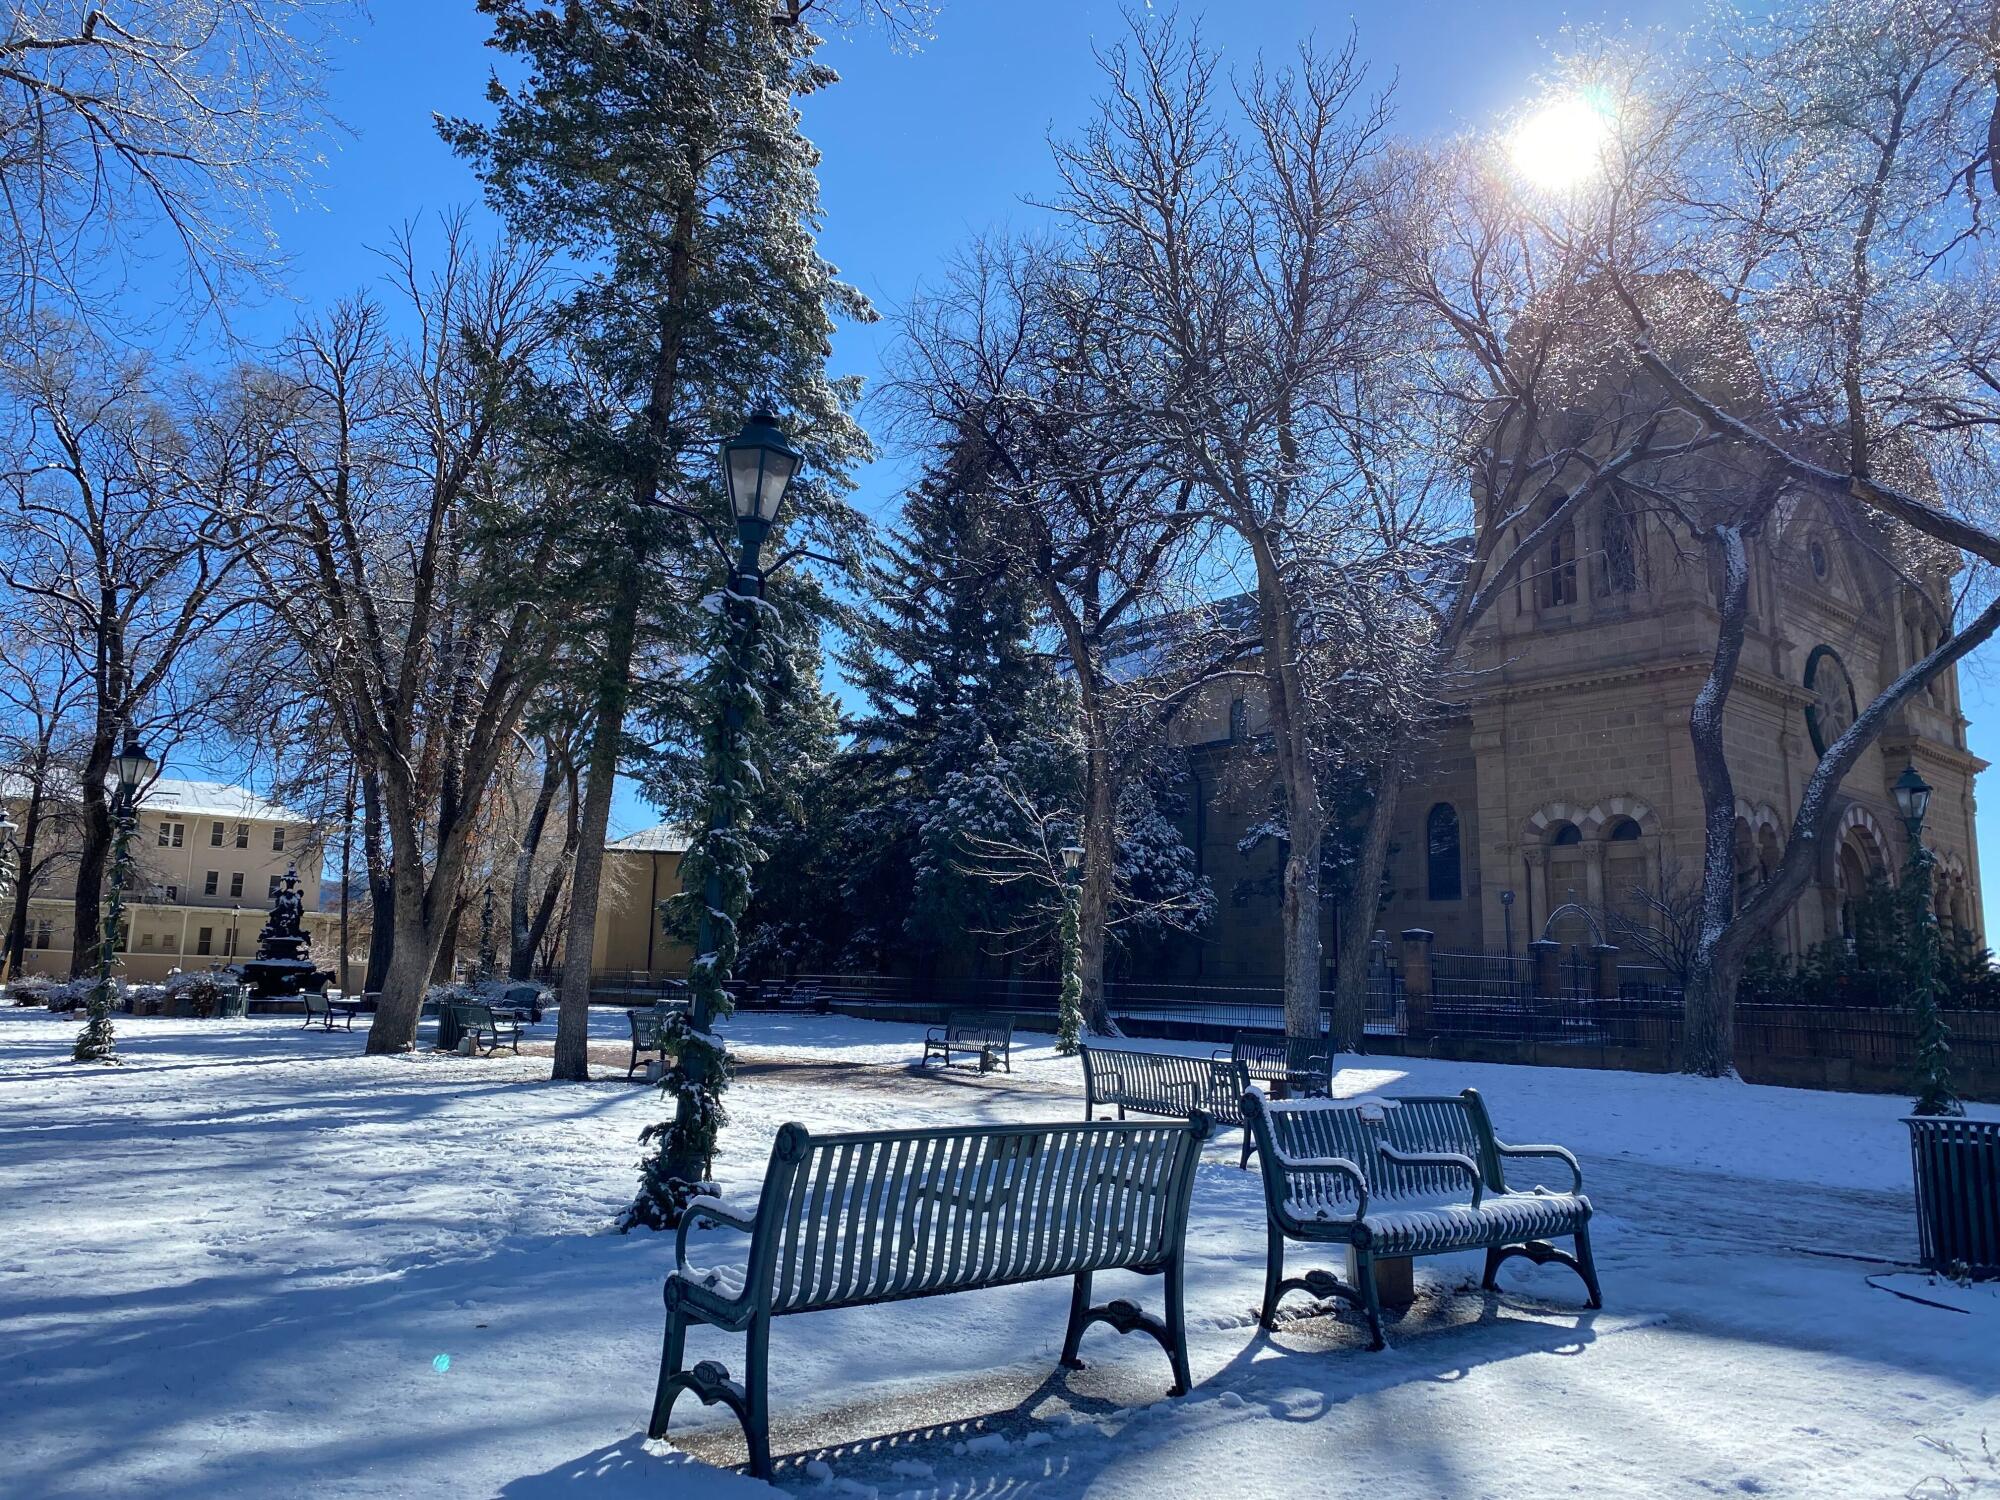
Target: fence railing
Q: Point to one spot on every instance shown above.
(1477, 999)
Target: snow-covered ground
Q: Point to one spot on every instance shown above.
(254, 1262)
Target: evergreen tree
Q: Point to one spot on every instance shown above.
(945, 659)
(656, 142)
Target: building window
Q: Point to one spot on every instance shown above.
(211, 883)
(145, 940)
(215, 835)
(170, 894)
(1441, 844)
(229, 943)
(236, 884)
(277, 841)
(204, 939)
(173, 835)
(169, 943)
(243, 835)
(1561, 587)
(1816, 555)
(45, 932)
(1239, 720)
(1624, 831)
(277, 881)
(1620, 571)
(1565, 835)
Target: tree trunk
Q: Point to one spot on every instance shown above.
(381, 888)
(24, 880)
(1356, 919)
(92, 858)
(520, 942)
(1094, 901)
(572, 1062)
(1300, 912)
(447, 952)
(404, 983)
(1710, 1004)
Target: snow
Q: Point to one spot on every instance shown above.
(254, 1261)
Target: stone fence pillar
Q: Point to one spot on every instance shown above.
(1417, 982)
(1545, 968)
(1605, 956)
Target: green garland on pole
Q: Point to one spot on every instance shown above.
(1069, 1005)
(717, 864)
(1934, 1094)
(96, 1042)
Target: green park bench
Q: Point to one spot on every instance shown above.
(988, 1041)
(1164, 1083)
(488, 1031)
(320, 1011)
(1403, 1177)
(848, 1220)
(1287, 1066)
(649, 1034)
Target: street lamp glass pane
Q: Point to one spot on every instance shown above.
(745, 467)
(779, 467)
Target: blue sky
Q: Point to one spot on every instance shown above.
(924, 150)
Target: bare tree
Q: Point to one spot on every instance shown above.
(170, 123)
(1241, 257)
(107, 547)
(1018, 365)
(389, 543)
(46, 693)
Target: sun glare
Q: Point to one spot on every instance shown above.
(1562, 143)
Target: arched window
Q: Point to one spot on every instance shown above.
(1566, 834)
(1560, 586)
(1619, 564)
(1624, 831)
(1441, 842)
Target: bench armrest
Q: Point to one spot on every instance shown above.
(707, 1211)
(1338, 1165)
(934, 1034)
(1448, 1159)
(1551, 1153)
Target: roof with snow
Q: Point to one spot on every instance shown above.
(173, 794)
(663, 838)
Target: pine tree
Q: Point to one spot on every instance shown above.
(656, 142)
(945, 659)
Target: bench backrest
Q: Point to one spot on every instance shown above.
(648, 1026)
(1305, 1061)
(316, 1003)
(1353, 1129)
(477, 1016)
(978, 1029)
(1164, 1083)
(909, 1213)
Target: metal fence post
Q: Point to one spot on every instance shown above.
(1417, 982)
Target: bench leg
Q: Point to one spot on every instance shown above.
(1274, 1275)
(1079, 1319)
(1371, 1303)
(1541, 1252)
(1176, 1288)
(671, 1355)
(1586, 1267)
(710, 1382)
(1249, 1145)
(757, 1388)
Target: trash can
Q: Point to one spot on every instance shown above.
(1957, 1168)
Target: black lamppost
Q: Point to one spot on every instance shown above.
(1069, 1003)
(1933, 1082)
(1507, 919)
(758, 465)
(10, 856)
(132, 766)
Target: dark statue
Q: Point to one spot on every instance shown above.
(281, 966)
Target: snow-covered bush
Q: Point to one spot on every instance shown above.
(56, 994)
(203, 990)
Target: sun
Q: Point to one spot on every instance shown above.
(1562, 143)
